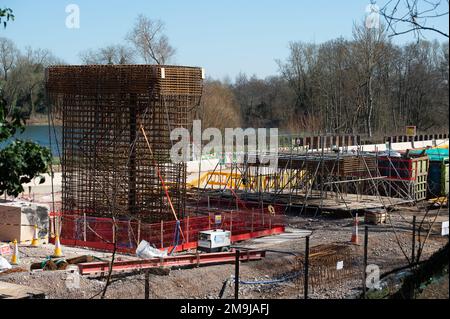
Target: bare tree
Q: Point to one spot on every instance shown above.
(218, 107)
(24, 87)
(112, 54)
(414, 16)
(89, 56)
(150, 42)
(334, 87)
(8, 56)
(300, 71)
(125, 55)
(370, 45)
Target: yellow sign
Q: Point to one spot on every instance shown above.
(411, 131)
(218, 219)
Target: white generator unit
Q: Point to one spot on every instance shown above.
(214, 240)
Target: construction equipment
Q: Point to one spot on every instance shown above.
(214, 240)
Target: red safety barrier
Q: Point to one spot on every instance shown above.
(99, 232)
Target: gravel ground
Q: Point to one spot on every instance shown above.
(207, 282)
(436, 290)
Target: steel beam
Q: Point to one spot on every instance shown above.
(170, 261)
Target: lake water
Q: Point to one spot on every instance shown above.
(40, 134)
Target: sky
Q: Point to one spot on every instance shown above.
(224, 37)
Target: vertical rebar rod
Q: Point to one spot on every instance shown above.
(132, 208)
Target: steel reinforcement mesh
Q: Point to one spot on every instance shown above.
(108, 168)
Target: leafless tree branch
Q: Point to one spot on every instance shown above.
(415, 15)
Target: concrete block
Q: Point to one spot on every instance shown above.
(17, 220)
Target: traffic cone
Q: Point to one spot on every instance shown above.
(355, 236)
(15, 255)
(58, 250)
(35, 241)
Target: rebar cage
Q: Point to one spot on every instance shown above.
(107, 167)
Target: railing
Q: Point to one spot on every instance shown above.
(319, 142)
(417, 138)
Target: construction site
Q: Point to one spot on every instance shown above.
(335, 218)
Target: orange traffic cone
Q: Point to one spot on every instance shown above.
(35, 241)
(58, 250)
(15, 255)
(355, 236)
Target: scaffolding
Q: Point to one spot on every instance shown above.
(107, 166)
(333, 181)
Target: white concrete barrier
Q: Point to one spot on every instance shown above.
(206, 165)
(397, 146)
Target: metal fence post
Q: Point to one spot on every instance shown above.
(366, 243)
(413, 251)
(147, 285)
(305, 288)
(187, 229)
(413, 256)
(236, 275)
(231, 222)
(162, 234)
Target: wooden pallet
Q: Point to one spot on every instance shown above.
(375, 217)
